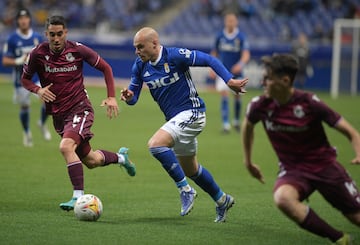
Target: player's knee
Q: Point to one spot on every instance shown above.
(67, 146)
(154, 142)
(282, 198)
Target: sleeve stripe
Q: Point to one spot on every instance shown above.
(97, 61)
(194, 58)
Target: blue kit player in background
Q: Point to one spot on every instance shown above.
(166, 73)
(16, 49)
(232, 48)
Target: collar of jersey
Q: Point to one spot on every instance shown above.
(231, 35)
(28, 36)
(158, 58)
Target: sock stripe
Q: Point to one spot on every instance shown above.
(73, 163)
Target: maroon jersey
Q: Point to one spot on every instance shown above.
(296, 131)
(64, 70)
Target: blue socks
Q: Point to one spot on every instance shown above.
(225, 110)
(204, 179)
(25, 118)
(43, 115)
(170, 163)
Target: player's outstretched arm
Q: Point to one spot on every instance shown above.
(8, 61)
(353, 135)
(248, 140)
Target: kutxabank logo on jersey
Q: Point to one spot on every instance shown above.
(271, 126)
(60, 69)
(163, 81)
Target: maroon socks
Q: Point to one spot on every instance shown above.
(109, 157)
(76, 174)
(318, 226)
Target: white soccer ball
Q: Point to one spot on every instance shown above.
(88, 207)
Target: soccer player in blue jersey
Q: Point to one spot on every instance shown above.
(166, 73)
(232, 48)
(15, 51)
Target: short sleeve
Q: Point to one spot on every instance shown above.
(252, 110)
(8, 49)
(245, 42)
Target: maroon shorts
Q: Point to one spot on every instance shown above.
(333, 183)
(76, 125)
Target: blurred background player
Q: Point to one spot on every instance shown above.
(301, 51)
(293, 122)
(59, 64)
(232, 48)
(166, 72)
(15, 51)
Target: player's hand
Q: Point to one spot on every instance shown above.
(45, 94)
(126, 94)
(255, 172)
(112, 107)
(238, 85)
(236, 69)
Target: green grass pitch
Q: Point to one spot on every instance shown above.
(145, 209)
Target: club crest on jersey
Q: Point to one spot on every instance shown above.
(298, 111)
(47, 57)
(69, 57)
(166, 68)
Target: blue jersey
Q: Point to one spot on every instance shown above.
(169, 79)
(230, 47)
(17, 45)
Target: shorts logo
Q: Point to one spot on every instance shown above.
(69, 57)
(298, 111)
(76, 120)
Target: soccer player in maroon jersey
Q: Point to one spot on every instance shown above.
(293, 122)
(59, 65)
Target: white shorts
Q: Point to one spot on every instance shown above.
(184, 128)
(220, 85)
(22, 95)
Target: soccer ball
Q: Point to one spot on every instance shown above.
(88, 207)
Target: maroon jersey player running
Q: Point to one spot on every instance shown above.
(59, 64)
(293, 122)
